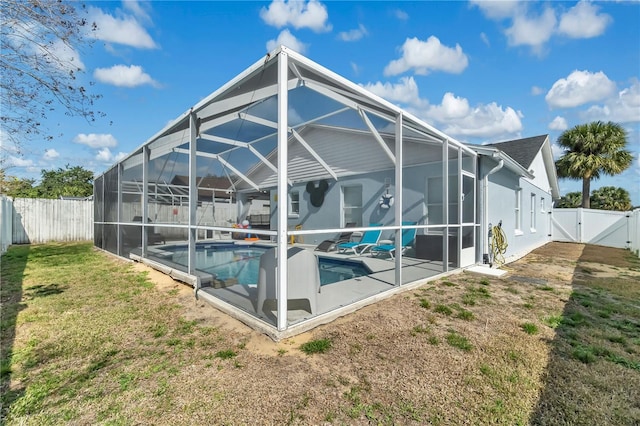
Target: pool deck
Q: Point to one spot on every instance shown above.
(335, 295)
(332, 301)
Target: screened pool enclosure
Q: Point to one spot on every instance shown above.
(290, 196)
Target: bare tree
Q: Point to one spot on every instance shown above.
(41, 67)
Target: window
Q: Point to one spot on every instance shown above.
(294, 203)
(518, 211)
(533, 212)
(352, 205)
(542, 206)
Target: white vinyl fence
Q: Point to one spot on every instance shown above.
(6, 220)
(601, 227)
(39, 220)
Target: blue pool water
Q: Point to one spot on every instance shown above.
(241, 262)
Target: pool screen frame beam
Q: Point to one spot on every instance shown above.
(282, 237)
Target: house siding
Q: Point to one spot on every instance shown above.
(501, 208)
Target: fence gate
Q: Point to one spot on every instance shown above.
(601, 227)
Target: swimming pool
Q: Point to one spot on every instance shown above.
(232, 262)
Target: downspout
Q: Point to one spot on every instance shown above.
(485, 216)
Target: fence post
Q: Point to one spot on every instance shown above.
(579, 219)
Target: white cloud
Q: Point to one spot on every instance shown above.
(50, 154)
(481, 121)
(535, 90)
(33, 39)
(583, 21)
(67, 57)
(405, 92)
(353, 35)
(138, 9)
(125, 30)
(579, 88)
(532, 31)
(485, 39)
(15, 161)
(104, 155)
(287, 39)
(451, 108)
(96, 140)
(355, 68)
(124, 76)
(401, 14)
(557, 151)
(429, 55)
(558, 123)
(497, 9)
(623, 107)
(120, 156)
(298, 14)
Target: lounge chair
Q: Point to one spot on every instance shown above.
(331, 245)
(369, 239)
(408, 235)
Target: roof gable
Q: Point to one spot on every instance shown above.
(523, 151)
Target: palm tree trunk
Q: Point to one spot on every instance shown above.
(586, 190)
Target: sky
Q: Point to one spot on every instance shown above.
(482, 72)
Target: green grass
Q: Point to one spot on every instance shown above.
(465, 315)
(443, 309)
(226, 354)
(529, 328)
(316, 346)
(458, 341)
(552, 321)
(87, 340)
(425, 303)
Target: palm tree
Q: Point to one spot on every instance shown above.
(591, 149)
(611, 198)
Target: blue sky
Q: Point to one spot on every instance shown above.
(479, 71)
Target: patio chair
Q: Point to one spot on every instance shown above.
(408, 235)
(331, 245)
(369, 239)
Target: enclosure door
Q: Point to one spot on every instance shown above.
(468, 253)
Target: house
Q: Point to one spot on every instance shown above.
(519, 186)
(322, 154)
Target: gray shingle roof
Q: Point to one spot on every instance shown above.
(522, 150)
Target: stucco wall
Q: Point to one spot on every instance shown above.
(329, 214)
(501, 207)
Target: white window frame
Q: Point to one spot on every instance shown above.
(534, 213)
(344, 207)
(543, 208)
(518, 211)
(293, 208)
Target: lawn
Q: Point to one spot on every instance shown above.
(89, 339)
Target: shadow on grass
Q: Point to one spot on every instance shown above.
(13, 264)
(593, 373)
(43, 290)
